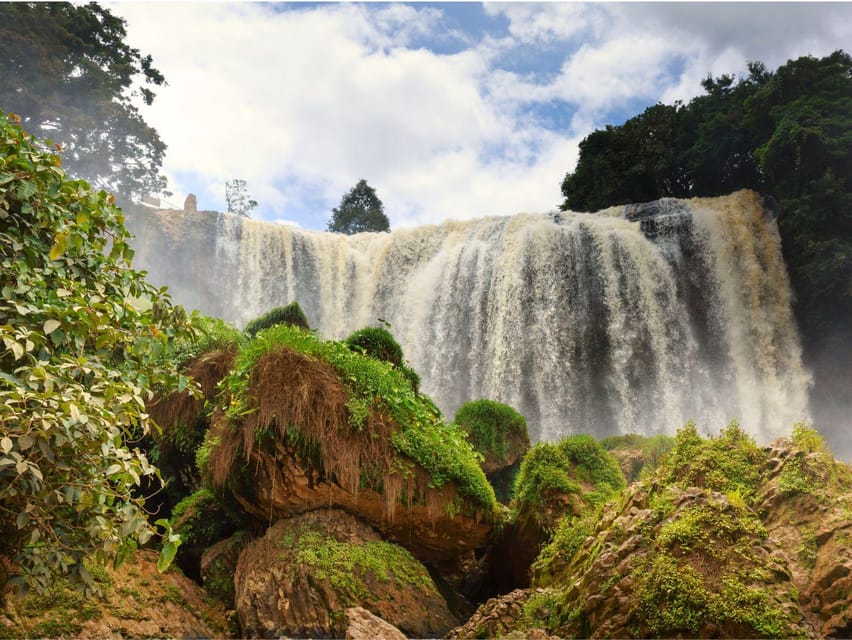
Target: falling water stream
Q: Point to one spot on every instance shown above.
(633, 319)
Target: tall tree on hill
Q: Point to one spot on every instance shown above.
(359, 210)
(67, 72)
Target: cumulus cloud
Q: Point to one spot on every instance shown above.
(305, 100)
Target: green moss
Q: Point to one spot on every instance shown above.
(728, 462)
(703, 527)
(563, 468)
(349, 567)
(492, 426)
(672, 597)
(63, 609)
(202, 519)
(442, 450)
(289, 315)
(568, 537)
(813, 470)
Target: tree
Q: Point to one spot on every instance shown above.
(68, 73)
(237, 198)
(83, 339)
(359, 210)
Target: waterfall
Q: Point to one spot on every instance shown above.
(633, 319)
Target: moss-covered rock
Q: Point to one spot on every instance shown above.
(135, 601)
(499, 434)
(556, 481)
(725, 539)
(376, 342)
(566, 478)
(299, 579)
(309, 423)
(183, 418)
(636, 454)
(218, 565)
(201, 520)
(290, 315)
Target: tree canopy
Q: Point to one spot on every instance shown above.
(83, 340)
(236, 195)
(70, 76)
(359, 210)
(787, 134)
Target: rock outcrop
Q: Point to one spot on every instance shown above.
(302, 576)
(136, 601)
(218, 566)
(298, 440)
(726, 540)
(807, 501)
(363, 625)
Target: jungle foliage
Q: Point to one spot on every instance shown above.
(84, 339)
(786, 133)
(70, 76)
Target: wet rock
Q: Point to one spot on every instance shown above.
(363, 625)
(302, 576)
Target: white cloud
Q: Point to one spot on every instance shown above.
(304, 102)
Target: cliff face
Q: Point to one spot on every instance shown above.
(724, 540)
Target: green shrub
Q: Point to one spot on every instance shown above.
(492, 426)
(552, 469)
(210, 334)
(731, 461)
(376, 342)
(653, 449)
(291, 315)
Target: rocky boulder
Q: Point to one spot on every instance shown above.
(725, 540)
(499, 434)
(218, 566)
(558, 480)
(363, 625)
(136, 601)
(806, 499)
(306, 427)
(303, 575)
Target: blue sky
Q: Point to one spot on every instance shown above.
(449, 110)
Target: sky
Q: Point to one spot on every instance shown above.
(448, 110)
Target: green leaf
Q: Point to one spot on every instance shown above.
(22, 520)
(6, 444)
(8, 377)
(26, 190)
(58, 247)
(167, 555)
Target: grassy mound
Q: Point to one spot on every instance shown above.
(495, 430)
(353, 419)
(290, 315)
(378, 343)
(568, 477)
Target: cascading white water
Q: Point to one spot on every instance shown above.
(634, 319)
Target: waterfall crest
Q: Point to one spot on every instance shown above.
(634, 319)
